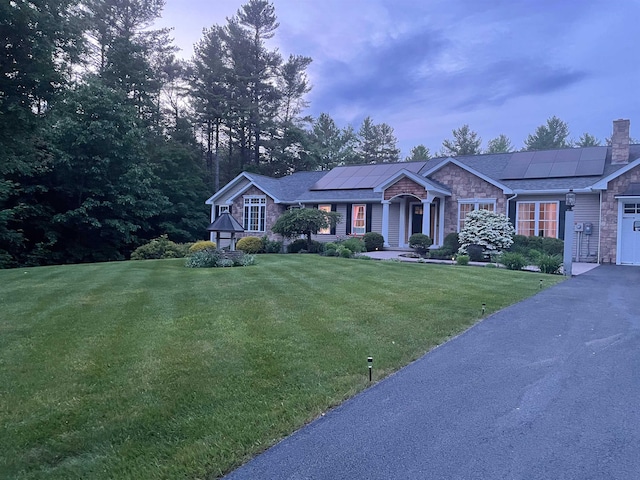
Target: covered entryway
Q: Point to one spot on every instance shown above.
(629, 231)
(411, 204)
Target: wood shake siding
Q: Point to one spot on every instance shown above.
(405, 186)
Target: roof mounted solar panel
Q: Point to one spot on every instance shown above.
(363, 176)
(570, 162)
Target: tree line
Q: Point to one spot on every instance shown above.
(108, 139)
(553, 134)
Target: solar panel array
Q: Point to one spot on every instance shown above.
(569, 162)
(363, 176)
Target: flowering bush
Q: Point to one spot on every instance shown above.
(491, 230)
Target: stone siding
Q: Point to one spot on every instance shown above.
(609, 219)
(405, 186)
(274, 210)
(464, 185)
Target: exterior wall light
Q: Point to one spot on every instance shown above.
(570, 199)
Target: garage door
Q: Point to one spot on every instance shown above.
(630, 234)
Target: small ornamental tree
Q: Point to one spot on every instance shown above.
(304, 221)
(491, 230)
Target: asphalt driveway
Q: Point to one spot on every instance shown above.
(546, 389)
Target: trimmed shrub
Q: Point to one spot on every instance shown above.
(420, 243)
(250, 244)
(330, 252)
(462, 259)
(344, 252)
(160, 247)
(549, 263)
(513, 261)
(475, 252)
(202, 245)
(301, 246)
(356, 245)
(373, 241)
(443, 253)
(330, 245)
(451, 242)
(297, 245)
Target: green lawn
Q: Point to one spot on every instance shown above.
(147, 369)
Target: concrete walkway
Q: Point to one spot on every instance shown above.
(545, 389)
(576, 269)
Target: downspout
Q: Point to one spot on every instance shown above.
(515, 195)
(600, 228)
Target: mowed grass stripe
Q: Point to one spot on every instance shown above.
(151, 370)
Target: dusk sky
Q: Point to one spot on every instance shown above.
(427, 67)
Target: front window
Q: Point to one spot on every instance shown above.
(255, 212)
(324, 208)
(467, 206)
(537, 219)
(359, 219)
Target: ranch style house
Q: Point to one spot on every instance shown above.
(433, 197)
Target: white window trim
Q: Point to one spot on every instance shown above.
(223, 209)
(353, 218)
(475, 202)
(323, 206)
(262, 210)
(536, 225)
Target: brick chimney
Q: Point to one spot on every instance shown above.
(620, 142)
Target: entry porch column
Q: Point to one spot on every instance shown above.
(385, 221)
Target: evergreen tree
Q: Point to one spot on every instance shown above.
(587, 140)
(552, 135)
(377, 143)
(464, 142)
(500, 144)
(330, 145)
(419, 153)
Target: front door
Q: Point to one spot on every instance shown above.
(630, 234)
(416, 218)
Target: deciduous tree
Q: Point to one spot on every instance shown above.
(304, 221)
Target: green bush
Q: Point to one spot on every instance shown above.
(420, 243)
(513, 261)
(344, 252)
(552, 246)
(356, 245)
(373, 241)
(250, 244)
(271, 246)
(451, 242)
(330, 252)
(217, 258)
(204, 259)
(462, 259)
(160, 247)
(301, 246)
(476, 253)
(330, 245)
(443, 253)
(549, 263)
(202, 245)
